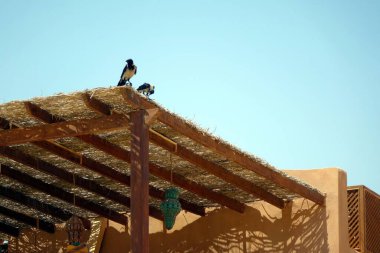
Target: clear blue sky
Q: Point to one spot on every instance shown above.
(296, 83)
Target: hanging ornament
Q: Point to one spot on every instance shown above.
(170, 207)
(74, 228)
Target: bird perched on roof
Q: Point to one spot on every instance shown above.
(129, 70)
(146, 89)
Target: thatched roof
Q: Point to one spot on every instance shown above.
(228, 161)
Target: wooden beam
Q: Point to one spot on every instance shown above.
(224, 149)
(197, 188)
(230, 177)
(41, 165)
(88, 163)
(64, 195)
(63, 129)
(4, 124)
(151, 116)
(51, 210)
(135, 100)
(118, 152)
(41, 224)
(217, 170)
(187, 184)
(99, 106)
(100, 168)
(195, 159)
(163, 141)
(112, 149)
(96, 104)
(9, 229)
(45, 116)
(139, 183)
(176, 178)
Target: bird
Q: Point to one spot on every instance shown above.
(146, 89)
(129, 70)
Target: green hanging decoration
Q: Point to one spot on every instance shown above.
(170, 207)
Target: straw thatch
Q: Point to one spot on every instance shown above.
(71, 106)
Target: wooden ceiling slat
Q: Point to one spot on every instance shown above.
(180, 150)
(61, 194)
(41, 165)
(112, 149)
(197, 188)
(119, 153)
(9, 229)
(158, 171)
(99, 168)
(71, 178)
(131, 97)
(229, 177)
(36, 163)
(96, 104)
(34, 222)
(88, 163)
(84, 161)
(46, 208)
(63, 129)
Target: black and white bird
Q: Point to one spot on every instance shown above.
(129, 70)
(146, 89)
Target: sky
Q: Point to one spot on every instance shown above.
(296, 83)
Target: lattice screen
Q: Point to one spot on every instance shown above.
(372, 221)
(363, 219)
(354, 219)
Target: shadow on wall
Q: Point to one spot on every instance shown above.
(300, 228)
(33, 240)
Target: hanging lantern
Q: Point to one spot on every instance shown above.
(170, 207)
(74, 228)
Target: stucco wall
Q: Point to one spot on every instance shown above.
(300, 227)
(333, 182)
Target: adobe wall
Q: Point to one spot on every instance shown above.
(300, 227)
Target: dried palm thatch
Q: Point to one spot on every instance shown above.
(73, 107)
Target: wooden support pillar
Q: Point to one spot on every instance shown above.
(139, 183)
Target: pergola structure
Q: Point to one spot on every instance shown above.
(111, 152)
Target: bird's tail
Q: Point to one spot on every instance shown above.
(121, 82)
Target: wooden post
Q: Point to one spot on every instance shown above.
(139, 183)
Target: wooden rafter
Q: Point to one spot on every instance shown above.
(79, 160)
(90, 185)
(9, 229)
(100, 168)
(230, 177)
(188, 155)
(112, 149)
(51, 210)
(41, 224)
(63, 129)
(124, 155)
(196, 188)
(61, 194)
(38, 164)
(223, 149)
